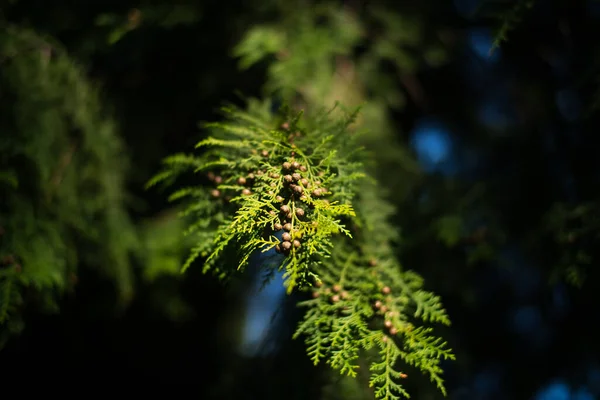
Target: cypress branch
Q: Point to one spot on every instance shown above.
(302, 187)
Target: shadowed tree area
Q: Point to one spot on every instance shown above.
(480, 121)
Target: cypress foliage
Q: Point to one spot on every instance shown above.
(62, 179)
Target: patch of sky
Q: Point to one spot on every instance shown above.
(432, 143)
(480, 41)
(263, 301)
(479, 64)
(556, 390)
(262, 305)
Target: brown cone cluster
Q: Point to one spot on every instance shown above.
(289, 189)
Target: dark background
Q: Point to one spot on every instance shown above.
(520, 121)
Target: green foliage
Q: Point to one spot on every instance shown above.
(379, 306)
(262, 171)
(365, 309)
(354, 311)
(450, 229)
(575, 230)
(313, 52)
(312, 61)
(303, 47)
(163, 247)
(510, 19)
(342, 387)
(250, 158)
(62, 166)
(163, 15)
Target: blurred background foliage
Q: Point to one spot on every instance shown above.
(489, 157)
